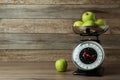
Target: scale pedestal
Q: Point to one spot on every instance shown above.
(95, 72)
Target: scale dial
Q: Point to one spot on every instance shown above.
(88, 55)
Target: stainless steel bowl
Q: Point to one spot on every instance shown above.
(92, 29)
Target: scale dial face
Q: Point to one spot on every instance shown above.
(88, 55)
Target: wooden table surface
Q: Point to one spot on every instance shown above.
(46, 71)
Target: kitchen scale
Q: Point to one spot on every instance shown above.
(88, 55)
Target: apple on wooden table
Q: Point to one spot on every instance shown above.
(61, 65)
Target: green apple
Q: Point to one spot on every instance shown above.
(89, 23)
(88, 16)
(100, 22)
(61, 65)
(77, 23)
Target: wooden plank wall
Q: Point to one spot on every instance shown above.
(39, 30)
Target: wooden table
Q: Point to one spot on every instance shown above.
(46, 71)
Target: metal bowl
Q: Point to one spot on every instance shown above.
(90, 29)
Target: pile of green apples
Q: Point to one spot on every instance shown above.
(89, 20)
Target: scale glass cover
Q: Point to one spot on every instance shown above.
(88, 55)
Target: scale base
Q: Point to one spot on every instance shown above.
(95, 72)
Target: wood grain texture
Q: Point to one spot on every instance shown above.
(34, 55)
(110, 41)
(37, 41)
(49, 55)
(58, 11)
(36, 25)
(46, 71)
(46, 25)
(114, 26)
(60, 2)
(115, 29)
(51, 41)
(41, 30)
